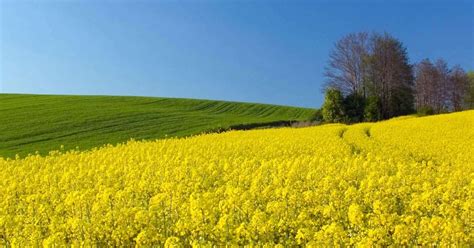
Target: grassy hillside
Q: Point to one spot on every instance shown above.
(30, 123)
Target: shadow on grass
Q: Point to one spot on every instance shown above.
(264, 125)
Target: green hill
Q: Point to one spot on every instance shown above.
(30, 123)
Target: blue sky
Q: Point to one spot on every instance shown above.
(254, 51)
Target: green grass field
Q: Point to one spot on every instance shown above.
(30, 123)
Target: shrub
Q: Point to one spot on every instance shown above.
(425, 110)
(354, 105)
(333, 107)
(372, 109)
(317, 116)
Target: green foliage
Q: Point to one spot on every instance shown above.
(317, 115)
(350, 109)
(470, 101)
(392, 76)
(30, 123)
(402, 101)
(425, 110)
(333, 107)
(372, 109)
(354, 105)
(377, 65)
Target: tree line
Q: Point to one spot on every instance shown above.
(369, 78)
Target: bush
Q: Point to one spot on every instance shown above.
(317, 116)
(354, 105)
(425, 110)
(333, 107)
(372, 109)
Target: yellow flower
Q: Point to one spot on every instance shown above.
(355, 214)
(409, 184)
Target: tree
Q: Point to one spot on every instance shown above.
(439, 88)
(470, 96)
(432, 85)
(372, 109)
(363, 66)
(373, 77)
(425, 85)
(390, 76)
(333, 108)
(346, 70)
(459, 88)
(354, 105)
(317, 115)
(443, 87)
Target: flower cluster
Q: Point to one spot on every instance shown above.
(403, 182)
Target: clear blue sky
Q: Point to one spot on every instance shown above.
(256, 51)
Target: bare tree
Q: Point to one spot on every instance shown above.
(459, 88)
(470, 96)
(425, 78)
(442, 87)
(346, 68)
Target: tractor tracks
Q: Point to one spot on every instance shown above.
(354, 135)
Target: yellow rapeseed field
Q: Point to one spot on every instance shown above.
(403, 182)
